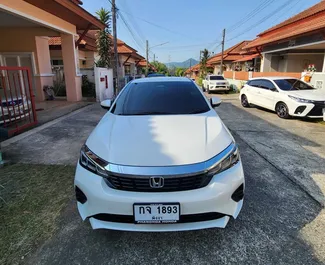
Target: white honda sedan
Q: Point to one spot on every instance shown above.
(285, 95)
(160, 160)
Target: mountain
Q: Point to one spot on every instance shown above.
(185, 64)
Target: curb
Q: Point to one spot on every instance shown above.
(19, 137)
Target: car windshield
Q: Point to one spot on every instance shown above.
(292, 84)
(160, 98)
(216, 77)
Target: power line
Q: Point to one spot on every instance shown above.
(262, 20)
(249, 16)
(137, 42)
(158, 26)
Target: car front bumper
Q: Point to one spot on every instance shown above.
(219, 88)
(113, 209)
(309, 110)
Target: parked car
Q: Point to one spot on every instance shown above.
(14, 108)
(160, 159)
(214, 83)
(285, 95)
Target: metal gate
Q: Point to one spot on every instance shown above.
(17, 109)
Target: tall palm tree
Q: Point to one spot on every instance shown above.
(204, 59)
(104, 41)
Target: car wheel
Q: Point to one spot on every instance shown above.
(227, 92)
(282, 110)
(209, 92)
(244, 101)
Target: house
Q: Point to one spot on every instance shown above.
(235, 58)
(129, 58)
(294, 44)
(28, 25)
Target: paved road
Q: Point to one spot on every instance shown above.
(282, 221)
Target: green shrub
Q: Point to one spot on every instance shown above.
(199, 81)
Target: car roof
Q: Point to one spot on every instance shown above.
(162, 79)
(274, 78)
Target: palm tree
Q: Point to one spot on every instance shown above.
(104, 41)
(204, 59)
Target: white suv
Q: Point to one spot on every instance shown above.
(215, 83)
(285, 95)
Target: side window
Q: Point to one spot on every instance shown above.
(254, 83)
(265, 84)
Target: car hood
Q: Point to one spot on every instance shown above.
(166, 140)
(316, 94)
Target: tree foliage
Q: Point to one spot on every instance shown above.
(161, 68)
(104, 42)
(204, 59)
(180, 71)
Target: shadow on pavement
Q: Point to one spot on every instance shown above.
(268, 230)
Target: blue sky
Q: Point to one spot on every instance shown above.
(190, 25)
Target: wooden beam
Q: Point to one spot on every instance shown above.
(127, 59)
(83, 34)
(259, 52)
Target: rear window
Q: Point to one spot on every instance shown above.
(216, 77)
(292, 84)
(160, 98)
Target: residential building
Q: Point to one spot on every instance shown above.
(294, 44)
(235, 58)
(27, 26)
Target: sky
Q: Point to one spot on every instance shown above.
(189, 26)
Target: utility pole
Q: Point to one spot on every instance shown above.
(147, 57)
(154, 57)
(223, 48)
(200, 55)
(115, 48)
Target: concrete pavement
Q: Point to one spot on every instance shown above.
(282, 221)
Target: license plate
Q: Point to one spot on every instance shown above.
(156, 213)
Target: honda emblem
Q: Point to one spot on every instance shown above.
(156, 182)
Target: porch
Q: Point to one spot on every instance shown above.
(27, 27)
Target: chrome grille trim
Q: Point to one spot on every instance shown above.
(185, 170)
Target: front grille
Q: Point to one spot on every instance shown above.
(188, 218)
(171, 183)
(317, 110)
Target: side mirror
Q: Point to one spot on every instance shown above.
(215, 102)
(273, 89)
(106, 104)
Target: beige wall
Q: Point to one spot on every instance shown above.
(298, 63)
(20, 7)
(87, 56)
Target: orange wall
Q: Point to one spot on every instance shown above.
(228, 74)
(24, 9)
(266, 74)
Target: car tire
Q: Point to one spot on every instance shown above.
(244, 101)
(282, 110)
(209, 92)
(227, 92)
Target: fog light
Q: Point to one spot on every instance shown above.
(238, 193)
(80, 196)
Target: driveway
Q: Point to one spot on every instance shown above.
(282, 221)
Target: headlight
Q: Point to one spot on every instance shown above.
(301, 99)
(93, 163)
(228, 162)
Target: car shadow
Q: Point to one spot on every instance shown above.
(269, 230)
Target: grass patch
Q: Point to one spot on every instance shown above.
(31, 199)
(322, 122)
